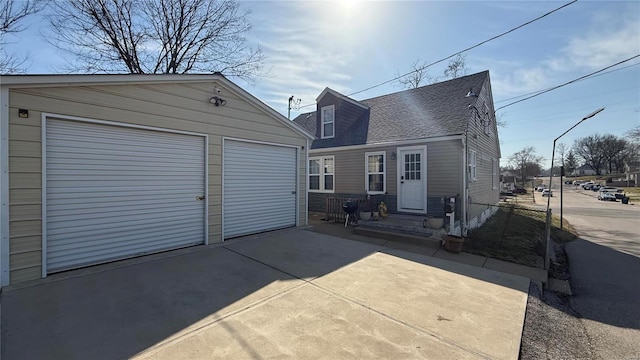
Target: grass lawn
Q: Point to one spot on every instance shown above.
(516, 234)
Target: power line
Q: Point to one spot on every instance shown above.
(461, 51)
(568, 82)
(589, 77)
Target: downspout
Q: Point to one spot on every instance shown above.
(465, 183)
(306, 182)
(4, 186)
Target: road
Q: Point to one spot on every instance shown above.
(605, 270)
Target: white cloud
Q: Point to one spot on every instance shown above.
(611, 38)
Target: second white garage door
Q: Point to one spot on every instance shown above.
(259, 187)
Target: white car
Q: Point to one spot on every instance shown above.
(603, 195)
(610, 189)
(540, 187)
(547, 192)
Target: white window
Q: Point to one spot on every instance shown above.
(375, 174)
(472, 164)
(494, 173)
(328, 121)
(321, 174)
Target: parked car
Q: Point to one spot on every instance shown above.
(506, 193)
(587, 185)
(606, 196)
(617, 192)
(611, 189)
(595, 187)
(540, 187)
(519, 191)
(577, 182)
(568, 182)
(547, 192)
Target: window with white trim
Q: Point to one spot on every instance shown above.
(327, 114)
(375, 172)
(321, 174)
(494, 173)
(472, 164)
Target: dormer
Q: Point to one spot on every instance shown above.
(340, 120)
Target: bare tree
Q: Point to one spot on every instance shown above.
(417, 76)
(456, 67)
(634, 134)
(590, 150)
(156, 36)
(526, 163)
(12, 14)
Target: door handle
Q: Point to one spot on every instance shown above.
(293, 192)
(200, 197)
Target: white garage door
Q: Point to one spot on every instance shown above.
(116, 192)
(259, 187)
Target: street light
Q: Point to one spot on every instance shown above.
(548, 222)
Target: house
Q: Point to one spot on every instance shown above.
(508, 182)
(632, 171)
(96, 168)
(415, 149)
(584, 170)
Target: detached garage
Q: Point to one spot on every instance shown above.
(97, 168)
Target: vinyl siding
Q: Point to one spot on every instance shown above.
(444, 166)
(487, 147)
(176, 106)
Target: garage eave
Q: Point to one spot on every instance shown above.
(56, 80)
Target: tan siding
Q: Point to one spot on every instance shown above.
(19, 164)
(25, 212)
(25, 148)
(18, 131)
(29, 227)
(444, 168)
(25, 244)
(183, 107)
(18, 275)
(24, 196)
(25, 180)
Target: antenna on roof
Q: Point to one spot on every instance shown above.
(295, 103)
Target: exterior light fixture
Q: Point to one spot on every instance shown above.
(218, 101)
(23, 113)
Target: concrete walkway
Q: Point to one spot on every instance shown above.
(286, 294)
(422, 245)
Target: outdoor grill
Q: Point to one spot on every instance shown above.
(351, 209)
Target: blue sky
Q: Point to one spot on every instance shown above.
(352, 45)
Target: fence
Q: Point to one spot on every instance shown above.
(334, 211)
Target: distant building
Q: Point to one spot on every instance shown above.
(584, 170)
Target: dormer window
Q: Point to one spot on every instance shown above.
(328, 121)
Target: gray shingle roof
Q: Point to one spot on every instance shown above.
(439, 109)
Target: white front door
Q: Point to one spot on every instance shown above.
(412, 179)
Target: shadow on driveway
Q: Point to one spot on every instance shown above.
(121, 311)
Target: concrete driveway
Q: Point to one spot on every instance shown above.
(285, 294)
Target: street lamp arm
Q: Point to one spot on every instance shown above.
(579, 122)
